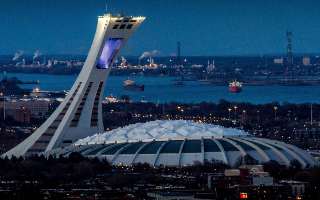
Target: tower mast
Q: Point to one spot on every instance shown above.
(178, 53)
(106, 6)
(289, 61)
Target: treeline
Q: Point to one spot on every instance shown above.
(52, 170)
(39, 172)
(221, 109)
(75, 167)
(250, 115)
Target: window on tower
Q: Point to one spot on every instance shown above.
(109, 51)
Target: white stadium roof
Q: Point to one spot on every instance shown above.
(183, 143)
(162, 130)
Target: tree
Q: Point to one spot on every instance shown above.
(295, 164)
(249, 160)
(125, 98)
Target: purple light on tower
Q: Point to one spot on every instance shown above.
(110, 49)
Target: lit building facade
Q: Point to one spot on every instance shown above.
(38, 107)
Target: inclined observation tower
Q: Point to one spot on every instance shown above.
(80, 114)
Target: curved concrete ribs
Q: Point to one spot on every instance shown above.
(80, 114)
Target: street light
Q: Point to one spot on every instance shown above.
(4, 106)
(235, 112)
(229, 109)
(275, 108)
(243, 116)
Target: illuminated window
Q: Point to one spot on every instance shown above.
(109, 51)
(77, 115)
(243, 195)
(41, 144)
(94, 114)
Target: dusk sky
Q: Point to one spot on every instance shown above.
(204, 27)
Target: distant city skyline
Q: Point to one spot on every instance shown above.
(204, 28)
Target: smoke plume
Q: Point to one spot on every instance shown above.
(17, 55)
(36, 54)
(147, 54)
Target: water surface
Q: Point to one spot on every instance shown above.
(162, 89)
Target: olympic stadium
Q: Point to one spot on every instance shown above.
(183, 143)
(71, 127)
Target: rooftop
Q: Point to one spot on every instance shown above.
(162, 130)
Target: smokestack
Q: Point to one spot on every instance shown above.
(178, 53)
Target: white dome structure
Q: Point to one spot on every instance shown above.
(184, 143)
(161, 130)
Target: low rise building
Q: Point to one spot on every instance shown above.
(298, 188)
(38, 108)
(22, 115)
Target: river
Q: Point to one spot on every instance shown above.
(162, 89)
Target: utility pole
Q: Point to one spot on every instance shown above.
(311, 114)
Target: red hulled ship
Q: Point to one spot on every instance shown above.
(235, 87)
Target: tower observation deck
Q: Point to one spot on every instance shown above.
(80, 114)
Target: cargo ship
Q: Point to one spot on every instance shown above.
(131, 85)
(178, 83)
(235, 87)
